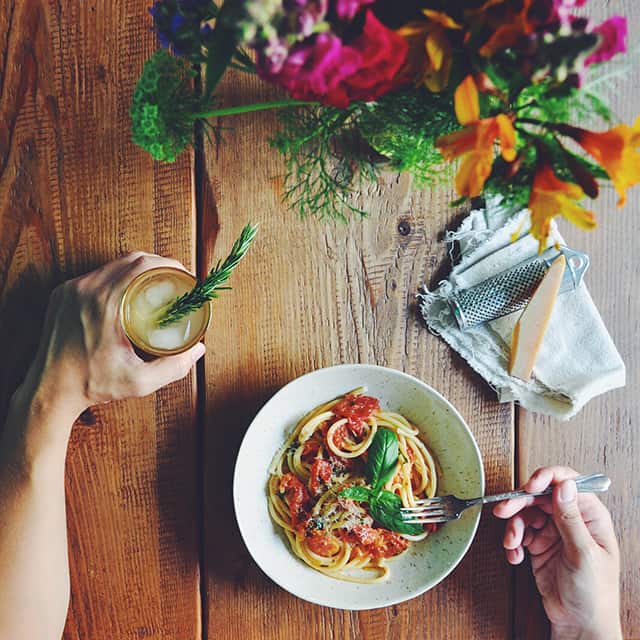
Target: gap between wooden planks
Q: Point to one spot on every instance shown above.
(75, 193)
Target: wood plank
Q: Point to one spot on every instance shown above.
(74, 193)
(313, 294)
(605, 435)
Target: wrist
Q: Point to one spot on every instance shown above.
(607, 630)
(52, 391)
(41, 415)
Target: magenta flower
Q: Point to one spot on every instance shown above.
(333, 71)
(315, 70)
(613, 40)
(347, 9)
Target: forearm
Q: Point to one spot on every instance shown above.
(34, 571)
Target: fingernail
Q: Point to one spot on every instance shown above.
(198, 351)
(568, 491)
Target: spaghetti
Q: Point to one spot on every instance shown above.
(327, 454)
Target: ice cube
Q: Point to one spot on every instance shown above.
(158, 294)
(141, 307)
(171, 337)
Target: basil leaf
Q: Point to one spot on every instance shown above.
(385, 510)
(382, 459)
(359, 494)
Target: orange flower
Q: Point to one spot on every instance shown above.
(616, 151)
(551, 197)
(475, 142)
(430, 56)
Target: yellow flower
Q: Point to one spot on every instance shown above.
(616, 151)
(551, 197)
(475, 142)
(430, 56)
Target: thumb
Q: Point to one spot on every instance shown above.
(568, 519)
(162, 371)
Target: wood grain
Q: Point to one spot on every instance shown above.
(606, 434)
(313, 294)
(74, 193)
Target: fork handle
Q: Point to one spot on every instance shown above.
(593, 483)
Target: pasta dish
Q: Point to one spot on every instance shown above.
(337, 485)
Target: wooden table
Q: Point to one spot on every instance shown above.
(155, 551)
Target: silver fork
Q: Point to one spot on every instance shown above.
(446, 508)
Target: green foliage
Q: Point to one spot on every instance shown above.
(324, 165)
(516, 190)
(385, 506)
(549, 103)
(382, 458)
(386, 510)
(208, 288)
(561, 160)
(327, 160)
(567, 165)
(223, 45)
(163, 106)
(404, 127)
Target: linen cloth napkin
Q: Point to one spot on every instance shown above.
(577, 360)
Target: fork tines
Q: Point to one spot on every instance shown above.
(427, 514)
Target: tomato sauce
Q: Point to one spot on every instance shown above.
(321, 471)
(322, 544)
(310, 449)
(379, 543)
(356, 409)
(297, 497)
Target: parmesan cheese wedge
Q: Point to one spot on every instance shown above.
(532, 324)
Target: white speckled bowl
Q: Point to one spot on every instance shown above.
(444, 431)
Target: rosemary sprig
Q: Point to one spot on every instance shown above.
(207, 289)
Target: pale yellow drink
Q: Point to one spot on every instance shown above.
(143, 303)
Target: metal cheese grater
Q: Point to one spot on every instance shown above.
(510, 290)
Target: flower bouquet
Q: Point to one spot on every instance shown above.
(489, 89)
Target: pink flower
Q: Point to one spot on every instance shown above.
(325, 69)
(314, 71)
(613, 40)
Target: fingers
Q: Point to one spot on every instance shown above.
(161, 372)
(545, 476)
(599, 522)
(520, 524)
(509, 508)
(515, 556)
(543, 540)
(539, 481)
(109, 282)
(132, 266)
(528, 538)
(112, 270)
(579, 521)
(520, 531)
(568, 519)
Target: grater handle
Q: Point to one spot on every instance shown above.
(511, 290)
